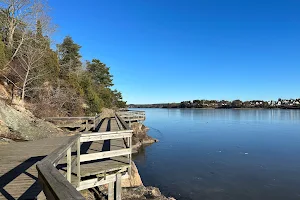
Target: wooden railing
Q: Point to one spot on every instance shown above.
(65, 184)
(132, 115)
(82, 122)
(54, 184)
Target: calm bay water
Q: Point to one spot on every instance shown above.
(223, 154)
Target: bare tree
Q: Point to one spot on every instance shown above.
(26, 21)
(14, 14)
(30, 60)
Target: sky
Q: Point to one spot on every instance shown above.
(173, 50)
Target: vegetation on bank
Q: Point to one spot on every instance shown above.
(280, 103)
(49, 79)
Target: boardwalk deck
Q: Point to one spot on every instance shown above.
(18, 174)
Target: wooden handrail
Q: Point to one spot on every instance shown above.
(55, 185)
(84, 121)
(124, 124)
(73, 118)
(60, 152)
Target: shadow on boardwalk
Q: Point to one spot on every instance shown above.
(12, 175)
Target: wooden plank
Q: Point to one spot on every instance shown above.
(74, 125)
(96, 182)
(124, 124)
(111, 191)
(103, 127)
(104, 137)
(106, 133)
(68, 118)
(78, 162)
(69, 164)
(118, 186)
(130, 155)
(106, 154)
(102, 167)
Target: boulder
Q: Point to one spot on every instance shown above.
(22, 124)
(106, 112)
(3, 93)
(143, 192)
(140, 136)
(134, 180)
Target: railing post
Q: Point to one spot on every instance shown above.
(111, 191)
(86, 125)
(130, 146)
(95, 122)
(69, 164)
(118, 186)
(78, 162)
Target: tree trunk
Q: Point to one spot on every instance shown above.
(24, 85)
(11, 32)
(12, 93)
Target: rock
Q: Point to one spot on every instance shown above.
(4, 130)
(143, 192)
(106, 112)
(5, 140)
(134, 193)
(140, 136)
(94, 194)
(3, 93)
(153, 192)
(134, 180)
(88, 195)
(22, 124)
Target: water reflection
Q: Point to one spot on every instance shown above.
(236, 114)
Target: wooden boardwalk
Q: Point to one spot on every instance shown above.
(18, 174)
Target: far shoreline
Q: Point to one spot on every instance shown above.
(211, 108)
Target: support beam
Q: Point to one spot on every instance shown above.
(90, 183)
(69, 164)
(105, 154)
(90, 138)
(111, 191)
(106, 133)
(118, 186)
(78, 162)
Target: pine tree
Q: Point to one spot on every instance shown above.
(69, 57)
(100, 73)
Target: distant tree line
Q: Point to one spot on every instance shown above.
(51, 81)
(280, 103)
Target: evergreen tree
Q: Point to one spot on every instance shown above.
(92, 97)
(100, 73)
(69, 56)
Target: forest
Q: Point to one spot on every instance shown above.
(50, 79)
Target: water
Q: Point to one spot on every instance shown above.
(223, 154)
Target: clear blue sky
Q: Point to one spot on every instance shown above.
(174, 50)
